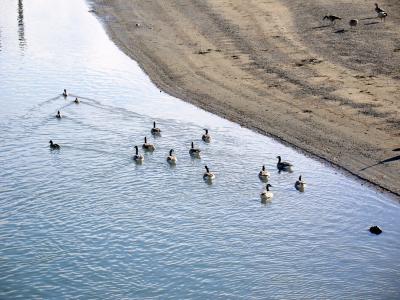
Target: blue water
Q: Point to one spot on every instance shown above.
(87, 222)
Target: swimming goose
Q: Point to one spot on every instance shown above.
(332, 18)
(300, 185)
(378, 9)
(172, 158)
(353, 22)
(65, 93)
(147, 146)
(263, 174)
(206, 137)
(138, 157)
(54, 146)
(382, 15)
(208, 175)
(155, 130)
(194, 151)
(76, 100)
(283, 165)
(266, 195)
(58, 115)
(375, 230)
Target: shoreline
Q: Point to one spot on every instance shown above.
(226, 59)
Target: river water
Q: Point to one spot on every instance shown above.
(87, 222)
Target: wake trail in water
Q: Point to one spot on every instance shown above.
(119, 111)
(27, 122)
(28, 129)
(38, 106)
(86, 149)
(9, 124)
(94, 127)
(118, 165)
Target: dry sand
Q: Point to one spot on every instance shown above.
(275, 67)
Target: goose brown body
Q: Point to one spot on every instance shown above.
(138, 157)
(171, 158)
(263, 174)
(206, 137)
(300, 184)
(283, 165)
(208, 175)
(148, 146)
(194, 151)
(266, 194)
(54, 146)
(155, 130)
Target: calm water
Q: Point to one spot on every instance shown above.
(87, 222)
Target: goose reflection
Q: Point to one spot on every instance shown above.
(21, 26)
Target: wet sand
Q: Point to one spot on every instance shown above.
(275, 67)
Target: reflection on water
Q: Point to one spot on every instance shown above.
(87, 222)
(21, 27)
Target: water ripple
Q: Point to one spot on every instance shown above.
(88, 222)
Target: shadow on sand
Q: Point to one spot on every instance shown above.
(371, 23)
(388, 160)
(322, 26)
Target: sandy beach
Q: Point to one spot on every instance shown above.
(277, 68)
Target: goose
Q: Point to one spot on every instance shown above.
(382, 15)
(194, 151)
(263, 174)
(266, 195)
(65, 93)
(54, 146)
(147, 146)
(332, 18)
(378, 9)
(208, 175)
(300, 184)
(353, 22)
(58, 115)
(375, 230)
(206, 137)
(171, 158)
(155, 130)
(138, 157)
(76, 100)
(283, 165)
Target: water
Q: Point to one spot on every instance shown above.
(87, 222)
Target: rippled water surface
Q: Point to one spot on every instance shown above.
(87, 222)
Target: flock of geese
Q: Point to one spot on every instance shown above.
(381, 13)
(264, 175)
